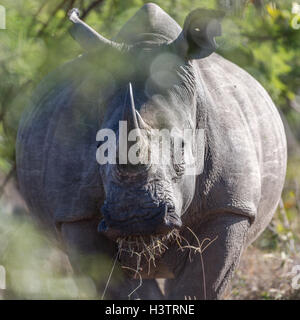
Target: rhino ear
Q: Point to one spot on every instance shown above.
(197, 39)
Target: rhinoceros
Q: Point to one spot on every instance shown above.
(153, 220)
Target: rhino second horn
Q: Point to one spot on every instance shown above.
(141, 123)
(87, 37)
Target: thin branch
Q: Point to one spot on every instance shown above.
(90, 8)
(33, 20)
(61, 5)
(63, 21)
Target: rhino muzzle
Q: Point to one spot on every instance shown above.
(139, 222)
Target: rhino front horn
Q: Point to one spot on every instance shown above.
(136, 121)
(129, 112)
(87, 37)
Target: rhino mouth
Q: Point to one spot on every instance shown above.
(141, 243)
(138, 255)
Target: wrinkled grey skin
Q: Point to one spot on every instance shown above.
(231, 201)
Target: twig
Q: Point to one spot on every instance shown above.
(140, 284)
(33, 20)
(109, 277)
(200, 250)
(90, 8)
(41, 31)
(63, 21)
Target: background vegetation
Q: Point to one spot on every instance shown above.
(263, 37)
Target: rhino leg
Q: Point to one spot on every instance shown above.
(220, 259)
(89, 251)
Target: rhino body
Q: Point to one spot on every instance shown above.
(231, 201)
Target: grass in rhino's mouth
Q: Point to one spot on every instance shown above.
(148, 248)
(152, 247)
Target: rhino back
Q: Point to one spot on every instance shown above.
(245, 161)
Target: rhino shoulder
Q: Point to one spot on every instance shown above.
(245, 140)
(56, 146)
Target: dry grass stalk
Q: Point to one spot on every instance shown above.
(153, 247)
